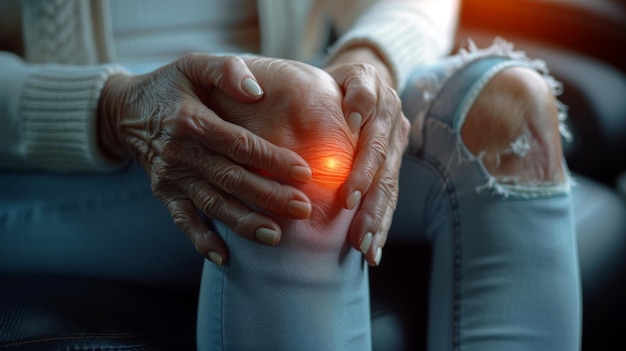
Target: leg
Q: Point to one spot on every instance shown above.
(106, 226)
(505, 274)
(310, 292)
(516, 110)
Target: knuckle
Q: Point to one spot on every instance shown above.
(231, 64)
(241, 147)
(389, 188)
(386, 200)
(190, 62)
(210, 204)
(404, 129)
(378, 150)
(368, 173)
(271, 196)
(405, 126)
(363, 95)
(196, 240)
(230, 178)
(181, 218)
(239, 224)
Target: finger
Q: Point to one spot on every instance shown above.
(227, 73)
(206, 242)
(389, 129)
(372, 242)
(369, 228)
(360, 97)
(371, 222)
(248, 149)
(234, 214)
(371, 153)
(261, 192)
(378, 243)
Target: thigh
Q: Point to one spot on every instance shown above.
(98, 225)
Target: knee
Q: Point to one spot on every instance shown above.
(514, 127)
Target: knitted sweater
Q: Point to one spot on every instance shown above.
(49, 98)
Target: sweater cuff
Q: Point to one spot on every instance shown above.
(59, 109)
(403, 38)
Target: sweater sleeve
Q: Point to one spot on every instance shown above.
(48, 116)
(405, 33)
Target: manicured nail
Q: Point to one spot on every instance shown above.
(366, 242)
(353, 200)
(251, 87)
(300, 173)
(354, 121)
(379, 256)
(299, 209)
(215, 258)
(267, 236)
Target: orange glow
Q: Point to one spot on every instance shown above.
(331, 163)
(330, 171)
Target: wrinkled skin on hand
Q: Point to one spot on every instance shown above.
(301, 110)
(384, 132)
(196, 160)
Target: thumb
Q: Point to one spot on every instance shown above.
(227, 73)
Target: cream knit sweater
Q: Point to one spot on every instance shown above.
(48, 99)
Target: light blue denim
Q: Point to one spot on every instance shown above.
(104, 226)
(505, 271)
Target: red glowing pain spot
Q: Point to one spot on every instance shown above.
(330, 171)
(331, 163)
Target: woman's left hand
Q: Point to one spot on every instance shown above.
(373, 110)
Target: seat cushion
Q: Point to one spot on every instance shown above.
(65, 313)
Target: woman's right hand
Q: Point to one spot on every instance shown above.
(196, 160)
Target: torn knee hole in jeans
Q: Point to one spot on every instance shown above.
(512, 184)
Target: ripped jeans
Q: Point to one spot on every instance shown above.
(504, 273)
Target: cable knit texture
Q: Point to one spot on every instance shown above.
(49, 111)
(58, 102)
(405, 35)
(56, 32)
(58, 107)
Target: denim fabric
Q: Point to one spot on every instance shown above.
(505, 271)
(298, 295)
(106, 226)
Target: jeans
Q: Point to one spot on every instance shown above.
(505, 271)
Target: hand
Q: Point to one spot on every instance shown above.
(373, 109)
(196, 160)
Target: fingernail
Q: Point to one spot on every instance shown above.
(251, 87)
(267, 236)
(299, 209)
(379, 256)
(366, 242)
(215, 258)
(300, 173)
(354, 121)
(353, 200)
